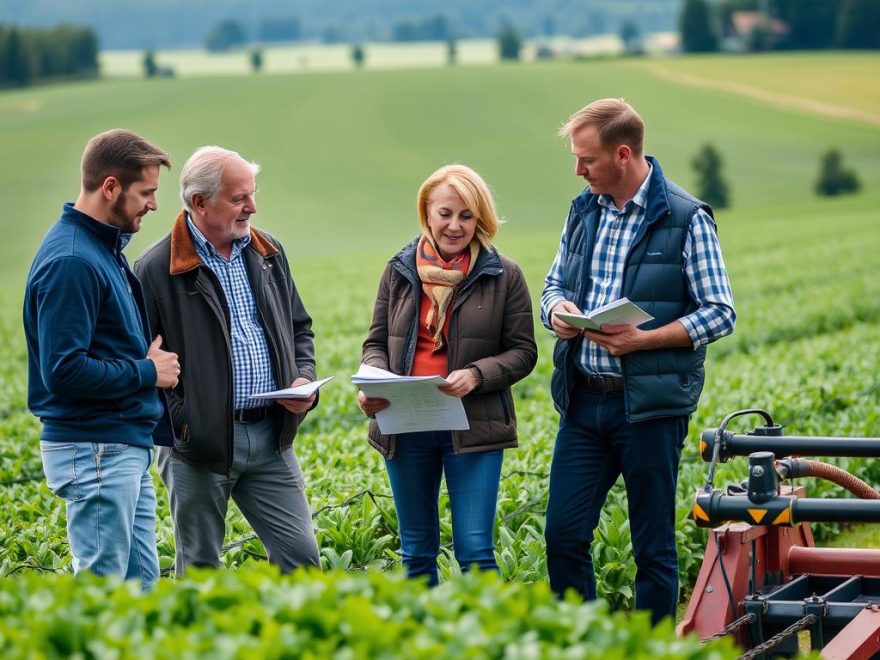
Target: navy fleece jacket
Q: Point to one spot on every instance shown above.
(87, 337)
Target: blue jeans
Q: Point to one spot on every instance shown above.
(111, 506)
(472, 483)
(595, 444)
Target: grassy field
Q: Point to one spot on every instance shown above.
(343, 155)
(837, 80)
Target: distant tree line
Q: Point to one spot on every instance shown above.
(782, 24)
(29, 55)
(225, 35)
(177, 24)
(230, 33)
(434, 28)
(444, 22)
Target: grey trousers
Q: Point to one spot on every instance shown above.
(269, 490)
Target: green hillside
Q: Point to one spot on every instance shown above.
(343, 153)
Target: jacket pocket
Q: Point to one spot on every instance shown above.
(506, 406)
(185, 436)
(381, 443)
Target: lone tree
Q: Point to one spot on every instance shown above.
(357, 55)
(833, 178)
(509, 43)
(696, 29)
(151, 69)
(451, 51)
(631, 37)
(256, 59)
(711, 187)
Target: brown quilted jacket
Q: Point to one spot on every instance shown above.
(491, 328)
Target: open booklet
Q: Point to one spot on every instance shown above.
(298, 392)
(618, 312)
(416, 403)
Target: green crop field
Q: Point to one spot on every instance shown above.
(343, 154)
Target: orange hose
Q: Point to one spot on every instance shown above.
(839, 476)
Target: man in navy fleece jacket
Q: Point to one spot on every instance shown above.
(93, 370)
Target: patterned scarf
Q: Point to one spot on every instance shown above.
(439, 280)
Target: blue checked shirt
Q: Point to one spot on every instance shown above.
(251, 362)
(704, 267)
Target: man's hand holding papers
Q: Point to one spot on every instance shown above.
(297, 398)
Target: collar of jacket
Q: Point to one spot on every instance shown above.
(112, 236)
(184, 257)
(658, 201)
(488, 263)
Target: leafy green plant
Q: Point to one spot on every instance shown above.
(259, 613)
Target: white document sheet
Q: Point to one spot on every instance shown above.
(416, 403)
(298, 392)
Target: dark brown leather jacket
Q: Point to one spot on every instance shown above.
(491, 328)
(186, 305)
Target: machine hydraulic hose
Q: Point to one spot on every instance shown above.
(795, 468)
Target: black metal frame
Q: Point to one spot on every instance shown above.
(724, 508)
(834, 600)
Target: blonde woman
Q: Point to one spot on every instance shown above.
(449, 304)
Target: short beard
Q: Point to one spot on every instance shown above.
(118, 217)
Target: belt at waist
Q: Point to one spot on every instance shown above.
(252, 414)
(598, 383)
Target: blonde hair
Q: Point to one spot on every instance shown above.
(475, 194)
(615, 120)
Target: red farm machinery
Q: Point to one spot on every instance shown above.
(762, 579)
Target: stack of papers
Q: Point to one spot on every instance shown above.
(416, 403)
(618, 312)
(298, 392)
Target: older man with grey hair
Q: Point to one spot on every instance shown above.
(220, 293)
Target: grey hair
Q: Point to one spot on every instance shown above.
(202, 173)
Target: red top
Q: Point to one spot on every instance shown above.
(426, 361)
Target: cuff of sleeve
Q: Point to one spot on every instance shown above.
(546, 307)
(693, 330)
(146, 372)
(475, 370)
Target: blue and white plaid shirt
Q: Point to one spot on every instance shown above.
(251, 362)
(707, 280)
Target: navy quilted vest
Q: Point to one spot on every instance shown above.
(658, 383)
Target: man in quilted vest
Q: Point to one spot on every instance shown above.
(625, 393)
